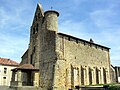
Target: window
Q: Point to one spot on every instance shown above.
(34, 30)
(38, 15)
(4, 81)
(37, 28)
(34, 49)
(31, 57)
(4, 77)
(5, 70)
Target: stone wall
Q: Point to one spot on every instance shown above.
(24, 58)
(80, 63)
(47, 60)
(113, 74)
(64, 61)
(34, 48)
(41, 51)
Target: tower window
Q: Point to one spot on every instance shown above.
(34, 30)
(37, 28)
(34, 49)
(38, 15)
(31, 57)
(5, 70)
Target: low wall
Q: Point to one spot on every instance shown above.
(37, 88)
(19, 88)
(91, 88)
(6, 88)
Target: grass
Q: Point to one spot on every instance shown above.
(102, 84)
(112, 86)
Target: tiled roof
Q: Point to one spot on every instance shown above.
(26, 66)
(5, 61)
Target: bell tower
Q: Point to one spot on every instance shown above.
(51, 19)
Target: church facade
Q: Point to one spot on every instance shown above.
(58, 61)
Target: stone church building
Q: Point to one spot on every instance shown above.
(57, 61)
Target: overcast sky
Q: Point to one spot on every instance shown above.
(96, 19)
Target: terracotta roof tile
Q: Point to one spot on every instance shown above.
(5, 61)
(26, 66)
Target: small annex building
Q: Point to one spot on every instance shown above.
(25, 75)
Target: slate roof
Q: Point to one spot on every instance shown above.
(5, 61)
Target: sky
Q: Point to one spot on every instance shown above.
(85, 19)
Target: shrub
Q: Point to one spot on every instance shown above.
(114, 88)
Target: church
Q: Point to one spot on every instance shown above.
(57, 61)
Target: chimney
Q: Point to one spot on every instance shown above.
(91, 40)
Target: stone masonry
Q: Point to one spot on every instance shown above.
(64, 61)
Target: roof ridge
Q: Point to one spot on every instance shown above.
(7, 61)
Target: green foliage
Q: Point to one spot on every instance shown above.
(112, 84)
(114, 87)
(106, 85)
